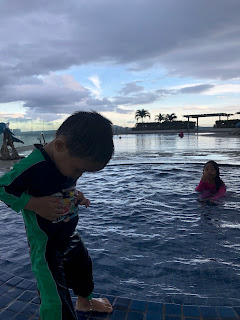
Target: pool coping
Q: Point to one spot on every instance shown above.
(19, 300)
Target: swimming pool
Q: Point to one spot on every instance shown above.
(148, 236)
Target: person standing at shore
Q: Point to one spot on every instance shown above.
(42, 186)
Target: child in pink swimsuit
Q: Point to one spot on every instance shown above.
(211, 186)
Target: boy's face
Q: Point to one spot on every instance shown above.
(70, 166)
(74, 167)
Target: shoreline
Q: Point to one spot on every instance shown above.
(225, 132)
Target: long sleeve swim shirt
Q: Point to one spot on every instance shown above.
(208, 190)
(35, 175)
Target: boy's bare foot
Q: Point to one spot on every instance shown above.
(98, 304)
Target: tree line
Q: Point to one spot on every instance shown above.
(141, 114)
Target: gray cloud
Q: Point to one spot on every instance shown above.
(150, 97)
(198, 39)
(141, 98)
(197, 89)
(38, 39)
(130, 88)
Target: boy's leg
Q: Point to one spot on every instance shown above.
(78, 271)
(48, 268)
(55, 265)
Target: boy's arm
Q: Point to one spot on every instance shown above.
(81, 200)
(46, 207)
(12, 191)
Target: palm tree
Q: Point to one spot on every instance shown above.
(159, 117)
(142, 114)
(170, 117)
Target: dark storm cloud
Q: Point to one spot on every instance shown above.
(187, 38)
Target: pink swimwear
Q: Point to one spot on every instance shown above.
(210, 191)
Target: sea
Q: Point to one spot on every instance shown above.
(149, 236)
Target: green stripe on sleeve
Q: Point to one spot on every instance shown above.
(18, 203)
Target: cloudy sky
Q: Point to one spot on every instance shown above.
(116, 57)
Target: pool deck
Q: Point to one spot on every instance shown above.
(19, 301)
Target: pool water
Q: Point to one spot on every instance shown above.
(148, 235)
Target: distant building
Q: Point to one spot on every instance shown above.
(226, 123)
(166, 125)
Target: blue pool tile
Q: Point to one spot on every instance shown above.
(121, 302)
(4, 289)
(27, 296)
(138, 305)
(172, 318)
(25, 271)
(237, 309)
(99, 315)
(14, 292)
(6, 265)
(82, 315)
(36, 300)
(31, 309)
(9, 266)
(7, 315)
(208, 312)
(14, 281)
(154, 307)
(6, 276)
(226, 312)
(16, 306)
(191, 311)
(172, 309)
(5, 301)
(118, 315)
(135, 316)
(153, 316)
(25, 284)
(20, 316)
(33, 287)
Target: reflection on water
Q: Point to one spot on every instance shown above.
(148, 235)
(171, 148)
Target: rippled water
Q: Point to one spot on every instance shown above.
(147, 234)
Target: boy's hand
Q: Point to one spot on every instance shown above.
(81, 200)
(46, 207)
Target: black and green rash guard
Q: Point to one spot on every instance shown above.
(37, 175)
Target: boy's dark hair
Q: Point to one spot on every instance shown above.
(88, 134)
(218, 181)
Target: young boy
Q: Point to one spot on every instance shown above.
(42, 186)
